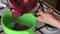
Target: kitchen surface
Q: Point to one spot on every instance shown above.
(40, 28)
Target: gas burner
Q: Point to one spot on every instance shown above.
(1, 7)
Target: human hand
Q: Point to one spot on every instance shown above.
(46, 16)
(50, 11)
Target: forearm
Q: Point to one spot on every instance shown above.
(55, 23)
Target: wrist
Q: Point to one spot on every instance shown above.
(55, 23)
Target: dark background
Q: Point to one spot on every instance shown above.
(54, 3)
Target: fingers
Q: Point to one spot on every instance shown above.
(40, 18)
(52, 11)
(41, 13)
(48, 10)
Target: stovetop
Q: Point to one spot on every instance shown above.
(39, 25)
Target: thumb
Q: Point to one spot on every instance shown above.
(40, 19)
